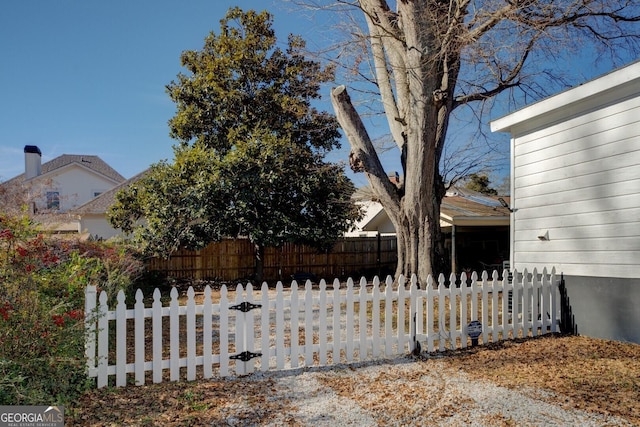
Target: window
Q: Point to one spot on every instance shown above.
(53, 200)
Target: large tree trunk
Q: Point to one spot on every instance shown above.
(415, 74)
(413, 207)
(420, 245)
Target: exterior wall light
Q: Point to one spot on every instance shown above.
(504, 204)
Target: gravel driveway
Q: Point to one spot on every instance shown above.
(401, 391)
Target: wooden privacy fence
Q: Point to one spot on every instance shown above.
(233, 259)
(238, 331)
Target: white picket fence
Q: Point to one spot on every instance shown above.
(314, 326)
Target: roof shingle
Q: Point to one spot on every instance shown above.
(94, 163)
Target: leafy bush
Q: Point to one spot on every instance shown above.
(41, 351)
(42, 282)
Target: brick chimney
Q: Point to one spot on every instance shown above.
(394, 177)
(32, 161)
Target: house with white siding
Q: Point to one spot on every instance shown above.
(575, 195)
(93, 214)
(55, 188)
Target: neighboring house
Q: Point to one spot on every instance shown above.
(93, 214)
(575, 187)
(475, 228)
(58, 186)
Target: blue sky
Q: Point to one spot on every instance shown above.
(88, 77)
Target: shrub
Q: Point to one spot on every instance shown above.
(42, 282)
(41, 351)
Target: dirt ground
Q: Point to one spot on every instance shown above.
(593, 375)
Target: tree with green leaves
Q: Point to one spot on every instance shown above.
(480, 183)
(250, 158)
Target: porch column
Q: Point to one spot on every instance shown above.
(454, 267)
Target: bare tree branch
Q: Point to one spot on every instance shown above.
(363, 156)
(428, 58)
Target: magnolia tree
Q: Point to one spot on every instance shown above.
(429, 58)
(250, 158)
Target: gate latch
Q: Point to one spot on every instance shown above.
(245, 356)
(245, 306)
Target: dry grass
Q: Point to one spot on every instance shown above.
(590, 374)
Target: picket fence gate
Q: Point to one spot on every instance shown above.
(314, 326)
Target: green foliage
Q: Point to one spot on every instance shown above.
(42, 282)
(480, 183)
(251, 156)
(41, 350)
(240, 83)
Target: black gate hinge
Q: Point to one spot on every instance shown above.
(245, 356)
(245, 306)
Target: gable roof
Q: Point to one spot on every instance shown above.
(459, 207)
(466, 207)
(457, 210)
(100, 204)
(93, 163)
(610, 87)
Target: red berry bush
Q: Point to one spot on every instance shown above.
(42, 282)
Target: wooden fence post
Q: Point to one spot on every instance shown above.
(308, 324)
(495, 289)
(280, 326)
(323, 318)
(103, 341)
(362, 318)
(388, 316)
(413, 298)
(350, 320)
(174, 334)
(265, 328)
(139, 338)
(156, 328)
(207, 333)
(401, 332)
(375, 321)
(336, 305)
(224, 332)
(191, 335)
(239, 332)
(442, 330)
(295, 317)
(454, 291)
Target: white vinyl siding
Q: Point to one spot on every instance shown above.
(576, 176)
(75, 186)
(97, 225)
